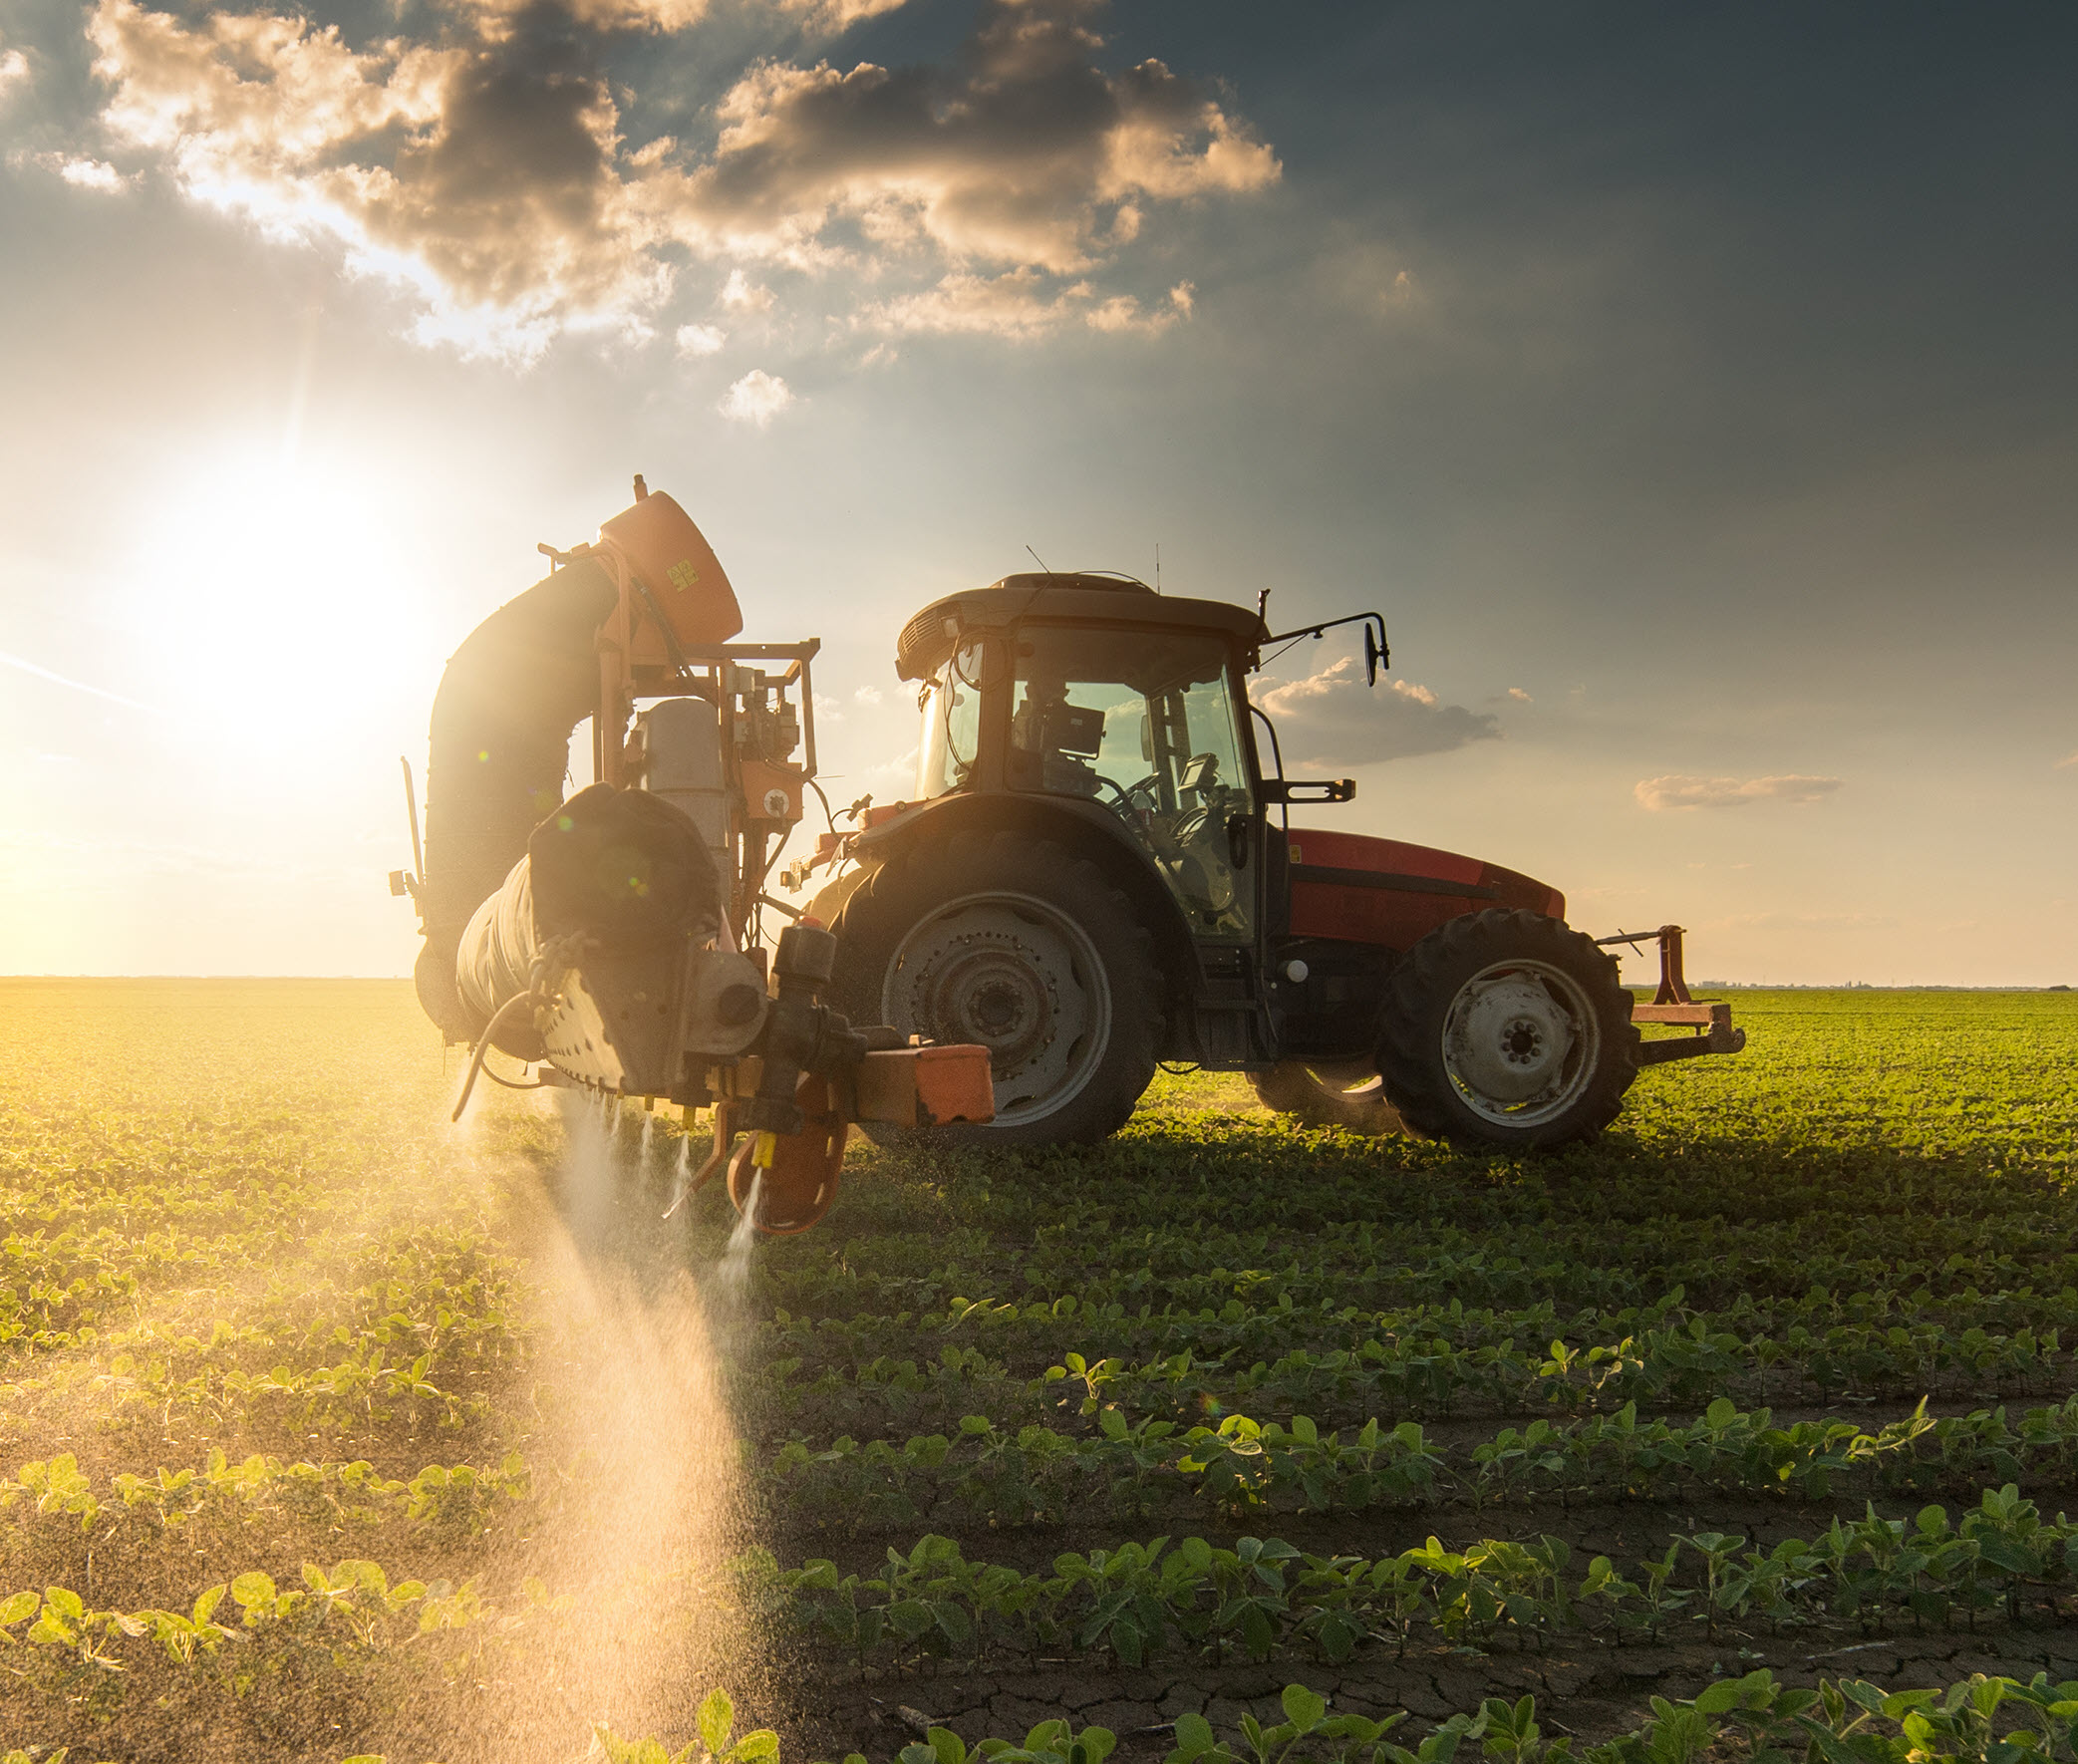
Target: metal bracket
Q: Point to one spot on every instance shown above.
(1671, 1003)
(1309, 789)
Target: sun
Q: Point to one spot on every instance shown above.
(271, 591)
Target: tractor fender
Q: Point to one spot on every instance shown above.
(827, 902)
(1083, 828)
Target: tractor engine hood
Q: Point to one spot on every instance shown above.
(1360, 889)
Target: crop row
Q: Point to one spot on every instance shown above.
(1420, 1253)
(1396, 1375)
(456, 1496)
(1273, 1316)
(1141, 1599)
(1606, 1271)
(987, 1474)
(351, 1606)
(360, 1389)
(1976, 1720)
(438, 1289)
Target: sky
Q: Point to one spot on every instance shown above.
(1690, 387)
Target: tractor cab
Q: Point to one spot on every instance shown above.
(1096, 689)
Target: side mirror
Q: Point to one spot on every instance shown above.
(1309, 789)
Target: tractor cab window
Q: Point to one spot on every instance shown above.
(1143, 722)
(951, 704)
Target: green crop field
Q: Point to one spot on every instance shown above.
(329, 1431)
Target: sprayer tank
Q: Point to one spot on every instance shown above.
(683, 764)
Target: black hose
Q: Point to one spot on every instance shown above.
(483, 1048)
(514, 1083)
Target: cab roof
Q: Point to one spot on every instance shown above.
(1069, 597)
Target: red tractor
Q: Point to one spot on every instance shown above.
(1098, 874)
(1089, 882)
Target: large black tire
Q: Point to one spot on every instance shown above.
(1331, 1095)
(1020, 944)
(1506, 1029)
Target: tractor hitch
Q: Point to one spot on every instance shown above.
(1710, 1019)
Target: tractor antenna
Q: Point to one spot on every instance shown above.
(1157, 566)
(641, 491)
(1041, 561)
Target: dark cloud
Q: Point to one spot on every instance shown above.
(1330, 718)
(487, 168)
(1025, 154)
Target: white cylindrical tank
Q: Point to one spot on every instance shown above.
(682, 762)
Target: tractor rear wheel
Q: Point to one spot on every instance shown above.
(1506, 1029)
(1018, 944)
(1350, 1096)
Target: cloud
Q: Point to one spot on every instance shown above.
(1027, 155)
(1020, 305)
(84, 173)
(902, 767)
(1522, 697)
(691, 341)
(498, 17)
(481, 174)
(1330, 718)
(485, 167)
(741, 294)
(870, 694)
(2071, 759)
(1676, 790)
(14, 70)
(836, 15)
(756, 398)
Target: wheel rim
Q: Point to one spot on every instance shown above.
(1521, 1042)
(1014, 975)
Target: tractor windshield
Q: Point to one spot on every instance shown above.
(1145, 722)
(951, 703)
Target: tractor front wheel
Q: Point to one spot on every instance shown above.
(1506, 1029)
(1016, 944)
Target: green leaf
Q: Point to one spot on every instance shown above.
(1193, 1735)
(949, 1747)
(759, 1742)
(22, 1604)
(717, 1717)
(1303, 1707)
(252, 1587)
(65, 1601)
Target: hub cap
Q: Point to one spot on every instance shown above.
(1012, 974)
(1521, 1042)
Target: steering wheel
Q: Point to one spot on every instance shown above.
(1126, 792)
